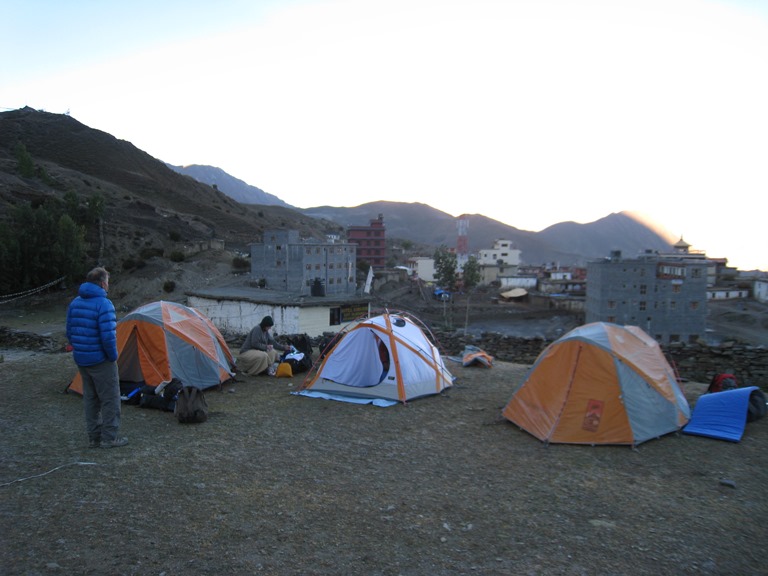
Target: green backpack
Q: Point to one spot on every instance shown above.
(191, 406)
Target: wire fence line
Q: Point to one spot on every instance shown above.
(26, 293)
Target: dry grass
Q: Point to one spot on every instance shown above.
(279, 484)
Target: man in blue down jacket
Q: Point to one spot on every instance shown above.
(91, 330)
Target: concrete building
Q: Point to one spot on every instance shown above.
(501, 260)
(371, 242)
(422, 267)
(237, 309)
(664, 294)
(760, 288)
(284, 263)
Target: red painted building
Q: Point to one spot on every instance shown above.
(371, 242)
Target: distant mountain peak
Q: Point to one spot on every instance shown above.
(233, 187)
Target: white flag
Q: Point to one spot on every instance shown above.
(369, 281)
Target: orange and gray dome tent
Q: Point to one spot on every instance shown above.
(600, 383)
(164, 340)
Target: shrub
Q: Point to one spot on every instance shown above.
(150, 252)
(177, 256)
(174, 236)
(169, 286)
(240, 263)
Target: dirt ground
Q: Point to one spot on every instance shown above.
(279, 484)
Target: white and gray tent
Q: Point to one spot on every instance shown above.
(385, 357)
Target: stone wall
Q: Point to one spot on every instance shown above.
(694, 362)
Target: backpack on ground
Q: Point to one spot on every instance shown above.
(191, 406)
(303, 345)
(161, 397)
(757, 406)
(722, 382)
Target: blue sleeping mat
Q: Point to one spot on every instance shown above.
(722, 415)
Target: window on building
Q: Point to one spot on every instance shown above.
(611, 319)
(611, 304)
(330, 266)
(308, 266)
(695, 305)
(695, 272)
(674, 337)
(642, 305)
(673, 305)
(669, 271)
(643, 288)
(676, 288)
(278, 263)
(335, 316)
(693, 338)
(317, 266)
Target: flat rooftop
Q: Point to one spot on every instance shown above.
(242, 290)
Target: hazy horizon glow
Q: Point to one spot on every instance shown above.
(529, 112)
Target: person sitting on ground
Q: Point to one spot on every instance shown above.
(260, 351)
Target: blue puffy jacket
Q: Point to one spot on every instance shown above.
(91, 326)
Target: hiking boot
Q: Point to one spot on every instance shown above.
(116, 443)
(272, 370)
(94, 443)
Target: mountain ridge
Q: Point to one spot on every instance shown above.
(233, 187)
(146, 201)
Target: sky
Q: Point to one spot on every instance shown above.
(531, 112)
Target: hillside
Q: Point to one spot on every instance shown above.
(147, 203)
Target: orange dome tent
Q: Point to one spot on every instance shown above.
(164, 340)
(601, 383)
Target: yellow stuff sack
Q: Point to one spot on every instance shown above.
(284, 370)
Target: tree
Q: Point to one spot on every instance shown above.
(72, 204)
(471, 279)
(95, 208)
(25, 164)
(471, 273)
(9, 259)
(445, 268)
(40, 245)
(69, 248)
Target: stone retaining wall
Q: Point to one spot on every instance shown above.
(694, 362)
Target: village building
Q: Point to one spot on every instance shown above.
(308, 287)
(497, 262)
(664, 294)
(282, 261)
(760, 290)
(371, 242)
(422, 268)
